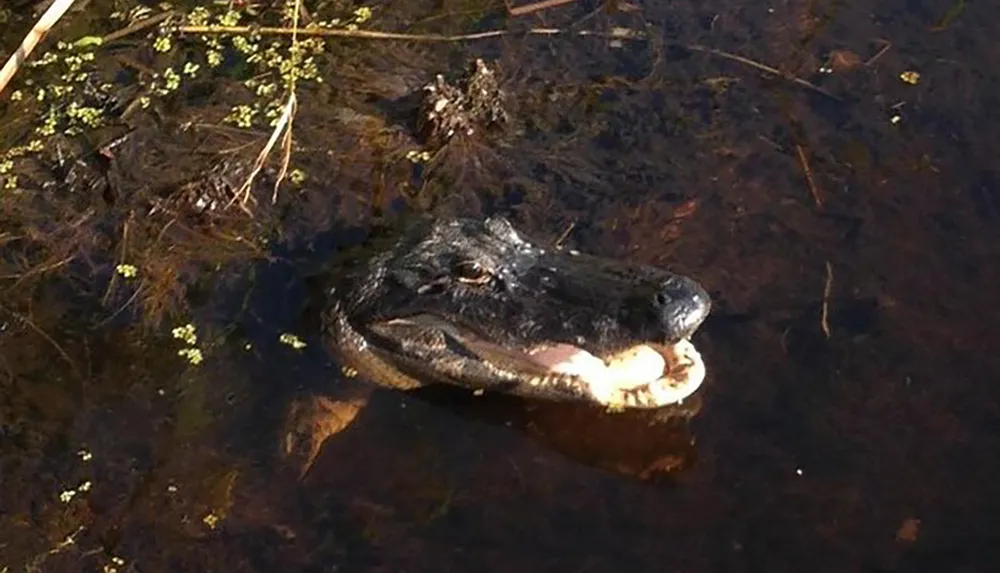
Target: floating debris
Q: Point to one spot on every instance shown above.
(910, 77)
(292, 340)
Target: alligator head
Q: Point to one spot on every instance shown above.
(473, 303)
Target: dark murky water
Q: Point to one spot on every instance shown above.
(870, 448)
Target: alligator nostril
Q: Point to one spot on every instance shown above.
(676, 290)
(661, 299)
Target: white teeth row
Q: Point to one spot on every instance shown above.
(633, 398)
(547, 380)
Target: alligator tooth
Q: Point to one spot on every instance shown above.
(646, 397)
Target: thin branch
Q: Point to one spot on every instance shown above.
(35, 35)
(120, 310)
(800, 151)
(243, 194)
(286, 146)
(619, 33)
(824, 323)
(762, 67)
(534, 7)
(286, 142)
(121, 261)
(43, 334)
(562, 237)
(136, 27)
(886, 44)
(40, 269)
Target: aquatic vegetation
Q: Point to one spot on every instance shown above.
(80, 101)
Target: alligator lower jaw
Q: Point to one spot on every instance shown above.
(644, 376)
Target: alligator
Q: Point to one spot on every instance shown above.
(475, 304)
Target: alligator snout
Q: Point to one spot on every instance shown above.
(682, 305)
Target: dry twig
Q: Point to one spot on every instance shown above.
(762, 67)
(140, 25)
(44, 335)
(35, 35)
(243, 194)
(825, 313)
(616, 33)
(886, 44)
(534, 7)
(810, 180)
(562, 237)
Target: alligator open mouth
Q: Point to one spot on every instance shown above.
(644, 375)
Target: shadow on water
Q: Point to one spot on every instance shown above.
(850, 243)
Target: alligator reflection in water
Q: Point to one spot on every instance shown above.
(473, 304)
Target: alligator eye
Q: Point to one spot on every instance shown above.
(472, 273)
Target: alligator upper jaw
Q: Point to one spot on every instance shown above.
(644, 375)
